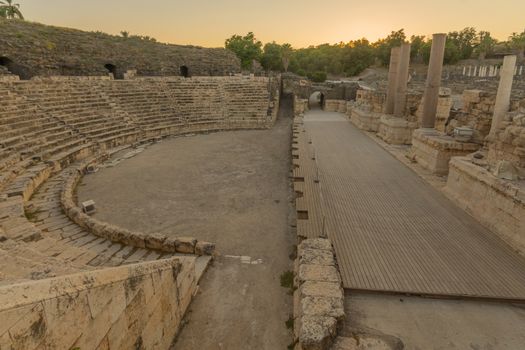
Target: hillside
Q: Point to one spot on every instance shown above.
(31, 49)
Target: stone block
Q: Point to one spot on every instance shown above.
(317, 333)
(155, 241)
(204, 248)
(316, 243)
(323, 307)
(316, 257)
(27, 331)
(318, 273)
(321, 289)
(185, 245)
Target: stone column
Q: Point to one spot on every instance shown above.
(504, 90)
(392, 78)
(435, 69)
(402, 81)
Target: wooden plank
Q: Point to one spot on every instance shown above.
(393, 232)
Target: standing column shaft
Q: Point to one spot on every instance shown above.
(392, 80)
(401, 81)
(504, 90)
(435, 69)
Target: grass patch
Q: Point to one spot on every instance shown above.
(287, 279)
(31, 215)
(289, 323)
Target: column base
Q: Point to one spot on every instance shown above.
(365, 119)
(433, 150)
(396, 131)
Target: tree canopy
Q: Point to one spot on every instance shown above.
(10, 10)
(247, 48)
(351, 58)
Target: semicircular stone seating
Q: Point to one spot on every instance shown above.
(52, 128)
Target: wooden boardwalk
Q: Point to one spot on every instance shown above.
(393, 232)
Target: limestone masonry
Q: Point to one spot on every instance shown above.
(59, 284)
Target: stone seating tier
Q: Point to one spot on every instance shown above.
(48, 125)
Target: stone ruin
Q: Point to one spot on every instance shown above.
(475, 140)
(124, 289)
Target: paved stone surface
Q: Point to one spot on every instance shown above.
(393, 232)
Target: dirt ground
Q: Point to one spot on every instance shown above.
(231, 188)
(411, 323)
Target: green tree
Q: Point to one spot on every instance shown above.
(417, 43)
(517, 42)
(317, 77)
(486, 44)
(272, 57)
(464, 41)
(125, 34)
(247, 48)
(9, 10)
(357, 56)
(452, 52)
(384, 46)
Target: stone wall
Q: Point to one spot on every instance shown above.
(300, 105)
(496, 203)
(508, 143)
(332, 90)
(338, 106)
(477, 108)
(366, 111)
(156, 241)
(319, 297)
(37, 49)
(137, 306)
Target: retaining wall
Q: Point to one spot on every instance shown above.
(132, 307)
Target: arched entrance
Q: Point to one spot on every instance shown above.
(112, 69)
(316, 100)
(184, 71)
(14, 68)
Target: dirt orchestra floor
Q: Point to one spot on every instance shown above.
(231, 188)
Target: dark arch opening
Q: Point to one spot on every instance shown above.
(184, 71)
(113, 70)
(14, 68)
(316, 100)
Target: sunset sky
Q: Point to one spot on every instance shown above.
(299, 22)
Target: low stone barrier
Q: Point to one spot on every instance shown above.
(131, 307)
(496, 203)
(156, 241)
(396, 131)
(335, 106)
(319, 297)
(433, 150)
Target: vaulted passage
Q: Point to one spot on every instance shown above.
(393, 232)
(112, 69)
(184, 71)
(14, 68)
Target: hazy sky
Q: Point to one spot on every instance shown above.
(299, 22)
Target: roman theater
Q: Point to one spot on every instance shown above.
(158, 196)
